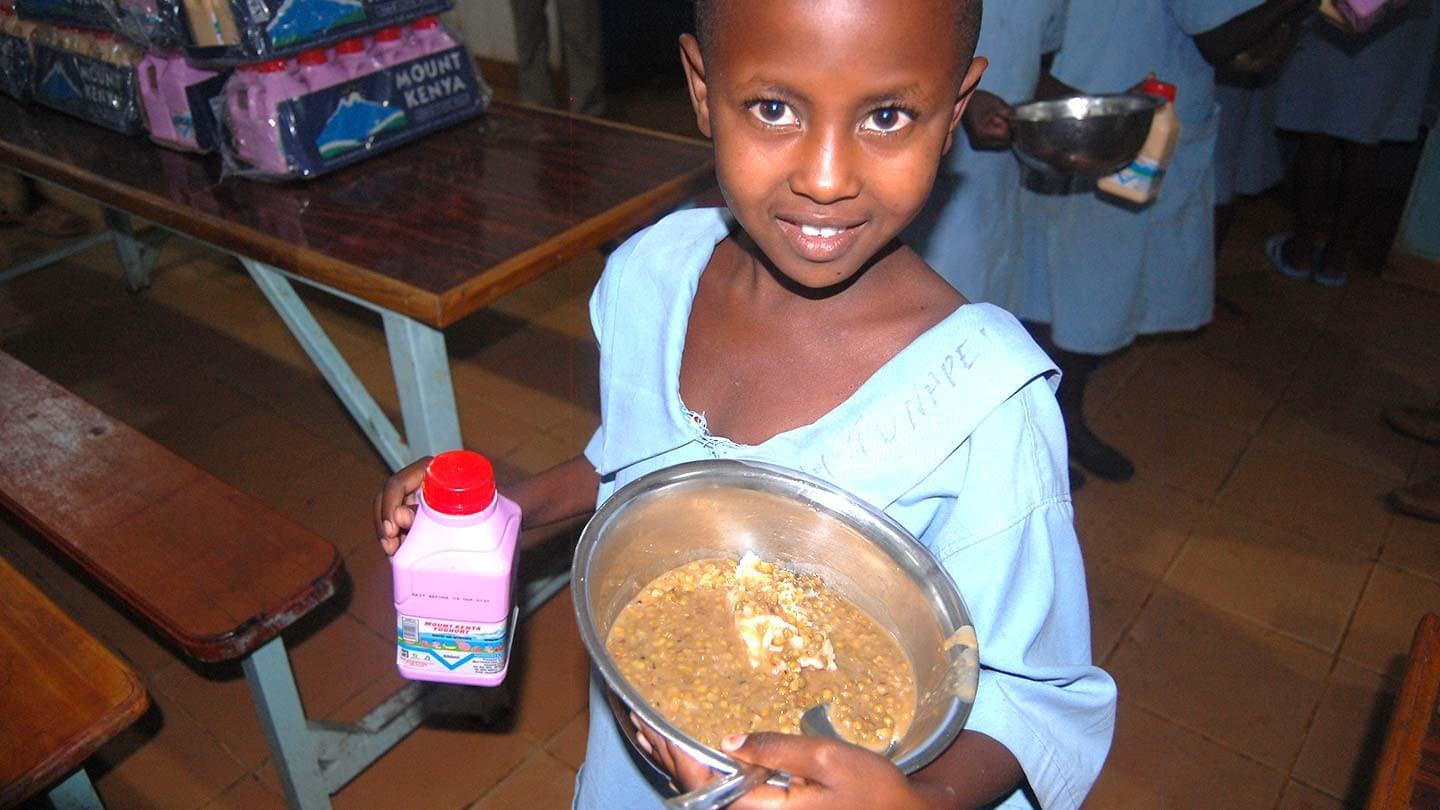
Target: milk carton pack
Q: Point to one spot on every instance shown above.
(17, 68)
(88, 76)
(96, 14)
(335, 109)
(222, 32)
(176, 96)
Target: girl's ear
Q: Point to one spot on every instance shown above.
(694, 65)
(967, 89)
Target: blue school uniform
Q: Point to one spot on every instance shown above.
(1247, 148)
(958, 438)
(969, 231)
(1101, 274)
(1364, 88)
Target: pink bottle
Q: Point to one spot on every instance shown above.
(392, 48)
(430, 36)
(163, 81)
(318, 71)
(354, 59)
(1361, 14)
(252, 98)
(455, 576)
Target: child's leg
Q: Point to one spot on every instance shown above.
(1357, 187)
(1086, 449)
(1314, 198)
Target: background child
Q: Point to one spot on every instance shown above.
(795, 329)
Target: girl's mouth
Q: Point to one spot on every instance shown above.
(820, 242)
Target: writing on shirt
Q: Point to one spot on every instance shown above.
(878, 431)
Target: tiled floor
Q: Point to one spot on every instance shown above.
(1251, 594)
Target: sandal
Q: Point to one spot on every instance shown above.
(1332, 279)
(53, 221)
(1275, 252)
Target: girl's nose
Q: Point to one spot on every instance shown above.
(826, 169)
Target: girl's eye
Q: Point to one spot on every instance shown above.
(887, 119)
(775, 113)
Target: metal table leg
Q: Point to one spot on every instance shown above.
(137, 258)
(417, 359)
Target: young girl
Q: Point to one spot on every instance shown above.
(794, 329)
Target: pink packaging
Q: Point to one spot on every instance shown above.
(354, 58)
(318, 71)
(392, 47)
(252, 96)
(163, 83)
(1361, 14)
(430, 36)
(454, 576)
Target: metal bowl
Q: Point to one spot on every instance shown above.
(1094, 135)
(711, 509)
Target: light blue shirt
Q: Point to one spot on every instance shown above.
(958, 438)
(1101, 274)
(970, 229)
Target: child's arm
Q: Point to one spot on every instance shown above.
(973, 772)
(564, 491)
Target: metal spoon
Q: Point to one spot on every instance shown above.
(815, 722)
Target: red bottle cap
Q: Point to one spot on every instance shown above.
(459, 482)
(314, 56)
(426, 22)
(356, 45)
(391, 34)
(273, 66)
(1154, 87)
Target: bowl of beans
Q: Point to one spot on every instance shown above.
(726, 597)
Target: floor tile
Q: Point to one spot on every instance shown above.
(1347, 733)
(1235, 396)
(219, 698)
(1173, 448)
(1299, 796)
(540, 783)
(1384, 623)
(166, 760)
(1224, 677)
(450, 766)
(1117, 593)
(1139, 525)
(1296, 585)
(1414, 546)
(338, 660)
(553, 664)
(1298, 489)
(247, 794)
(1156, 763)
(568, 745)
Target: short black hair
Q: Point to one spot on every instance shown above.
(967, 22)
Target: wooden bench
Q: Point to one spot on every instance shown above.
(62, 696)
(1408, 773)
(214, 571)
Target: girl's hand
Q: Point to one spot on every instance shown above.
(395, 505)
(825, 774)
(986, 121)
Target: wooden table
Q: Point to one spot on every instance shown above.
(424, 235)
(63, 694)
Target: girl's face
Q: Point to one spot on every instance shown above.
(829, 119)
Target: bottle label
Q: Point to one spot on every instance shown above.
(460, 648)
(1140, 174)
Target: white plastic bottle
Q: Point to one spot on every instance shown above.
(1139, 182)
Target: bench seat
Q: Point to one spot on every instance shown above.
(63, 694)
(214, 570)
